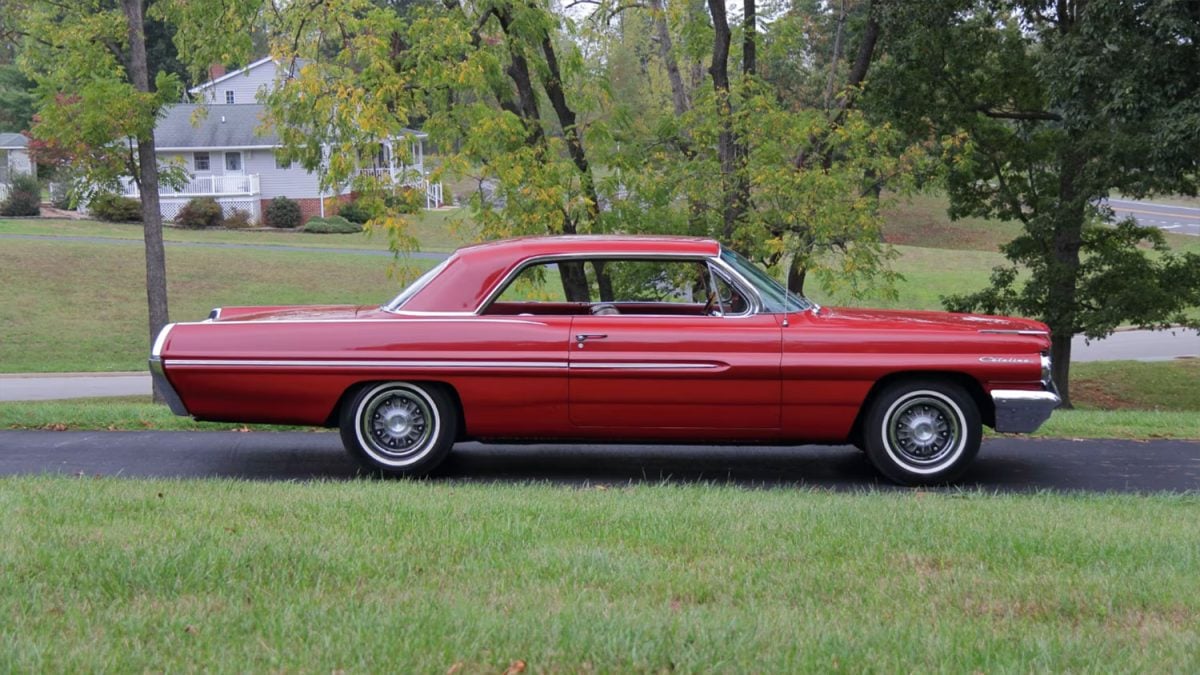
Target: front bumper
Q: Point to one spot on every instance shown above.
(1022, 412)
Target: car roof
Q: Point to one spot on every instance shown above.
(473, 272)
(538, 246)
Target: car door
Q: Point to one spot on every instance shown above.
(680, 373)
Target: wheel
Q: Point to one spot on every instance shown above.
(922, 432)
(399, 428)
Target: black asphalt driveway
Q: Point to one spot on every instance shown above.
(1004, 464)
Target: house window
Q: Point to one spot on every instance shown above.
(200, 161)
(229, 97)
(282, 162)
(233, 161)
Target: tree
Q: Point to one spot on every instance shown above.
(1043, 109)
(97, 107)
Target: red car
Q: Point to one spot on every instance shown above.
(614, 338)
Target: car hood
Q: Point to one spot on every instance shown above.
(946, 321)
(289, 313)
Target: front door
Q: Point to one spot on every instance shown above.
(671, 375)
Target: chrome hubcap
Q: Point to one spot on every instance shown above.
(924, 430)
(398, 423)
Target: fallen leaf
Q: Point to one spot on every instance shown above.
(517, 666)
(454, 668)
(190, 629)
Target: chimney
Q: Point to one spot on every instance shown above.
(215, 70)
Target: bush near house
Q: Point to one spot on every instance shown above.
(239, 220)
(24, 197)
(284, 213)
(354, 212)
(199, 213)
(331, 225)
(115, 209)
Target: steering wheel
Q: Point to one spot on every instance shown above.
(604, 309)
(712, 302)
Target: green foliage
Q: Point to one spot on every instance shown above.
(354, 212)
(114, 208)
(1039, 114)
(238, 220)
(199, 213)
(24, 196)
(1117, 282)
(16, 99)
(331, 225)
(283, 212)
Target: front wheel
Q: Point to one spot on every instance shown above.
(922, 432)
(399, 428)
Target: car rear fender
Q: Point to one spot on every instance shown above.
(332, 419)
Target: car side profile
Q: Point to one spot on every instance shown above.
(638, 339)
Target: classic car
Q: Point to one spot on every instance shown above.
(638, 339)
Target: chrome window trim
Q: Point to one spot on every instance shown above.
(734, 279)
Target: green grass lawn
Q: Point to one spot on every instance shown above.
(139, 575)
(82, 307)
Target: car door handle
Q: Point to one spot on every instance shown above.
(583, 337)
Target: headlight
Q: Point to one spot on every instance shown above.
(1046, 369)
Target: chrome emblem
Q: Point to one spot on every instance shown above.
(1004, 359)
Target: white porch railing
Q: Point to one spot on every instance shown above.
(409, 177)
(203, 186)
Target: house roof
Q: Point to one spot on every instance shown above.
(220, 126)
(9, 141)
(240, 71)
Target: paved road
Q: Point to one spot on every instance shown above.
(1177, 219)
(1138, 345)
(1004, 464)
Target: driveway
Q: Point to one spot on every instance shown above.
(1005, 464)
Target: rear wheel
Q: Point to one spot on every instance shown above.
(922, 432)
(399, 428)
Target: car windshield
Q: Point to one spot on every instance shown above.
(776, 298)
(415, 286)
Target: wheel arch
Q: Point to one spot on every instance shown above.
(351, 391)
(987, 409)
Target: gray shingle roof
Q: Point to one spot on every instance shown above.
(224, 126)
(9, 140)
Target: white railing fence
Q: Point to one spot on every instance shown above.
(199, 186)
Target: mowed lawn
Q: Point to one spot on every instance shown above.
(73, 306)
(122, 575)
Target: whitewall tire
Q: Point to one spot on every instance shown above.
(922, 432)
(399, 428)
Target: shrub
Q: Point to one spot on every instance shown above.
(239, 220)
(115, 209)
(332, 225)
(354, 212)
(406, 200)
(199, 213)
(283, 212)
(24, 197)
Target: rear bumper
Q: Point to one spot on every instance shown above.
(1022, 412)
(161, 383)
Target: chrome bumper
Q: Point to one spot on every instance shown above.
(1021, 412)
(161, 383)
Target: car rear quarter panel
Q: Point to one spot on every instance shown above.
(281, 372)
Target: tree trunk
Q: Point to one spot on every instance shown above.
(156, 266)
(666, 51)
(836, 54)
(732, 193)
(1062, 289)
(750, 39)
(552, 83)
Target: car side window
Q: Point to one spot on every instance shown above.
(613, 286)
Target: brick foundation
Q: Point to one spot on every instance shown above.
(310, 207)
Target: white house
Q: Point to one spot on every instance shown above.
(14, 159)
(232, 156)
